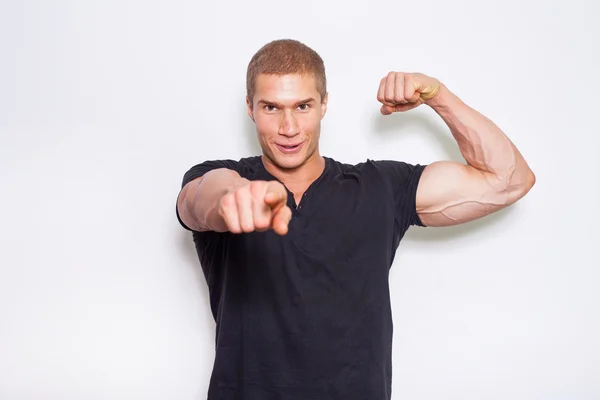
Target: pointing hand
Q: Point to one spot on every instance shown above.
(256, 206)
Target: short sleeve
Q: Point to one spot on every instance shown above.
(402, 179)
(200, 169)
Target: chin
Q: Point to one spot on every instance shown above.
(287, 161)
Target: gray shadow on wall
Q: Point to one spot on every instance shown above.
(418, 123)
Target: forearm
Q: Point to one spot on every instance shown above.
(483, 144)
(199, 199)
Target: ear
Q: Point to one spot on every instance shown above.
(324, 105)
(250, 109)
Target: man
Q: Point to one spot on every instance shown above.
(296, 247)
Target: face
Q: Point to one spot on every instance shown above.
(287, 111)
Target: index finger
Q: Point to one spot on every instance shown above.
(281, 220)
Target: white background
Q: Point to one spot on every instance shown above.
(104, 106)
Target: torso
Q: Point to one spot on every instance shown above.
(307, 314)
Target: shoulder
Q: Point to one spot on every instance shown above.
(247, 167)
(372, 167)
(392, 175)
(341, 167)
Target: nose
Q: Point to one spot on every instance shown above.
(289, 125)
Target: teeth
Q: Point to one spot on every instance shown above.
(289, 147)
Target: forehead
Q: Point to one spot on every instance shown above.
(285, 87)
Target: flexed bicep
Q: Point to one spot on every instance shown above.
(451, 193)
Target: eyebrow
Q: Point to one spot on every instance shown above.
(278, 105)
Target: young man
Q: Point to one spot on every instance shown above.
(296, 247)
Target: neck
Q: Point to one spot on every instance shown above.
(297, 179)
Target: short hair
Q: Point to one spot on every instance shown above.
(282, 57)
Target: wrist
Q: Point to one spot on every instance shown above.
(441, 99)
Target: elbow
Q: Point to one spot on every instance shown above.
(530, 180)
(186, 207)
(519, 189)
(511, 190)
(527, 182)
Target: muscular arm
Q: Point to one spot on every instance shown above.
(495, 176)
(198, 202)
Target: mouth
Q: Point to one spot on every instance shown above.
(289, 148)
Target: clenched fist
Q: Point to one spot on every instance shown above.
(256, 206)
(400, 91)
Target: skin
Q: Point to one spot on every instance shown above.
(496, 174)
(288, 109)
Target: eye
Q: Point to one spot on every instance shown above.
(270, 107)
(303, 107)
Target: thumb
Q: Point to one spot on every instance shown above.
(275, 194)
(387, 110)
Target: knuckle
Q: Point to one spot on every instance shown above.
(241, 193)
(280, 189)
(233, 225)
(256, 189)
(227, 201)
(256, 185)
(247, 228)
(262, 223)
(231, 222)
(247, 225)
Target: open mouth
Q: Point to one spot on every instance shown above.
(289, 148)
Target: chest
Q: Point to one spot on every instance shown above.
(339, 245)
(331, 224)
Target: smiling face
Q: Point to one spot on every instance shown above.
(287, 111)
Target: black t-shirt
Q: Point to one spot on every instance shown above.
(307, 315)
